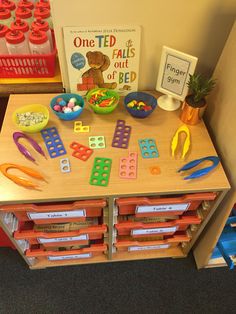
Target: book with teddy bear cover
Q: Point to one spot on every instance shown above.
(102, 56)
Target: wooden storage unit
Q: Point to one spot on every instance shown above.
(220, 118)
(170, 185)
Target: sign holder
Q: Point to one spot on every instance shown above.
(174, 70)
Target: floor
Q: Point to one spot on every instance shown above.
(149, 286)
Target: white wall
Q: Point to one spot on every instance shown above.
(197, 27)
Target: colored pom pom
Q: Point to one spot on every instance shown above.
(67, 110)
(57, 108)
(70, 104)
(62, 102)
(76, 108)
(73, 99)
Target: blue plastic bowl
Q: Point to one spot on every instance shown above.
(70, 115)
(140, 96)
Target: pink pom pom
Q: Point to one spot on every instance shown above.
(70, 105)
(57, 108)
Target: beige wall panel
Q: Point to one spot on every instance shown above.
(198, 27)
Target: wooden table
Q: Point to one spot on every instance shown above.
(161, 125)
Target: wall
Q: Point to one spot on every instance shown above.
(198, 27)
(220, 118)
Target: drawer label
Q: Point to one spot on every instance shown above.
(148, 247)
(161, 208)
(153, 230)
(58, 215)
(66, 257)
(66, 239)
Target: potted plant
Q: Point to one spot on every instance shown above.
(195, 102)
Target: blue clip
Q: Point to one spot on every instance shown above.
(200, 172)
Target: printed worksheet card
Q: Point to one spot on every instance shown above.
(102, 56)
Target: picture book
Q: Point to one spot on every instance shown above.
(102, 56)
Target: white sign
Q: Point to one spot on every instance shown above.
(66, 239)
(58, 215)
(65, 257)
(174, 70)
(148, 247)
(161, 208)
(153, 230)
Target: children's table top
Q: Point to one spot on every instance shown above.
(160, 125)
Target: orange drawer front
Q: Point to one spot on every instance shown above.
(84, 253)
(146, 206)
(137, 246)
(139, 229)
(57, 213)
(62, 238)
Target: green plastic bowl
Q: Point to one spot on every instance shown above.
(103, 110)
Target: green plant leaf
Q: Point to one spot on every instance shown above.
(199, 86)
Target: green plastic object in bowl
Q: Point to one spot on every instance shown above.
(97, 95)
(70, 115)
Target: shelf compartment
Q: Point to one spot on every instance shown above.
(54, 256)
(47, 213)
(139, 229)
(162, 206)
(136, 246)
(48, 239)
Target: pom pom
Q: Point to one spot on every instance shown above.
(57, 108)
(73, 100)
(62, 102)
(76, 108)
(67, 110)
(70, 105)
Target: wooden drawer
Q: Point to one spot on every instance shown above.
(139, 229)
(82, 236)
(137, 246)
(56, 212)
(84, 253)
(161, 206)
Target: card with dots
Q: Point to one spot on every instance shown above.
(53, 142)
(121, 135)
(80, 128)
(128, 166)
(97, 142)
(80, 151)
(148, 148)
(101, 171)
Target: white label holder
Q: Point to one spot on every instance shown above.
(80, 213)
(144, 209)
(148, 247)
(65, 239)
(153, 231)
(66, 257)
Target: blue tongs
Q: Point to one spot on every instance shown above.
(200, 172)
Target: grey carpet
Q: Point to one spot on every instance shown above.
(150, 286)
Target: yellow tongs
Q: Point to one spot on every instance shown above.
(175, 140)
(20, 180)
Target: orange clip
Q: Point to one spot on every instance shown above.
(20, 180)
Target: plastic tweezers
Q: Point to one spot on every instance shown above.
(200, 172)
